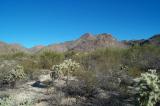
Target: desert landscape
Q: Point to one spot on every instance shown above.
(79, 53)
(94, 70)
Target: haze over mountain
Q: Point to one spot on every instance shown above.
(87, 42)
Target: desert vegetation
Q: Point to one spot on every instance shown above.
(104, 77)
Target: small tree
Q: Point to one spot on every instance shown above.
(147, 88)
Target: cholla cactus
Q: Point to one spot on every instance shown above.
(148, 88)
(56, 72)
(65, 68)
(7, 101)
(11, 101)
(15, 73)
(10, 73)
(69, 66)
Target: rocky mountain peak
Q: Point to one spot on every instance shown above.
(105, 36)
(87, 36)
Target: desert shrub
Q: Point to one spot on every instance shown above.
(11, 73)
(85, 85)
(56, 72)
(136, 58)
(67, 68)
(71, 54)
(114, 80)
(10, 101)
(84, 59)
(102, 68)
(147, 88)
(30, 66)
(47, 59)
(102, 60)
(11, 56)
(134, 72)
(29, 62)
(75, 88)
(79, 88)
(19, 55)
(109, 83)
(56, 99)
(142, 57)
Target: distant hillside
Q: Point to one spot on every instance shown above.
(87, 42)
(154, 40)
(11, 48)
(36, 48)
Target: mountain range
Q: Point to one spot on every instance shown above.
(87, 42)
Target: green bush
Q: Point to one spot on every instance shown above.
(142, 57)
(100, 60)
(89, 78)
(47, 59)
(14, 56)
(134, 72)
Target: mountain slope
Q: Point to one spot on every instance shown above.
(154, 40)
(86, 42)
(35, 48)
(11, 48)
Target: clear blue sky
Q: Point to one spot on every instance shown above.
(34, 22)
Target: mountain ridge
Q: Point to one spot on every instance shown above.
(87, 42)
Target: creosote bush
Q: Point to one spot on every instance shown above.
(147, 88)
(88, 78)
(48, 58)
